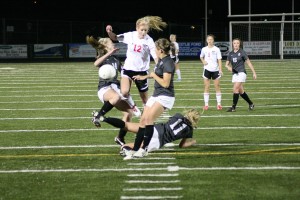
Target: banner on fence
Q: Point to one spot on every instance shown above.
(13, 51)
(48, 51)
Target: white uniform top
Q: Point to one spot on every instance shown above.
(138, 51)
(211, 56)
(176, 48)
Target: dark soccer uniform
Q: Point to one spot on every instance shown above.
(114, 61)
(164, 65)
(237, 60)
(177, 127)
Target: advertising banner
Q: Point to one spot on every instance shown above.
(13, 51)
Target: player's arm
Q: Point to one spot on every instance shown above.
(251, 67)
(227, 65)
(104, 57)
(111, 34)
(187, 142)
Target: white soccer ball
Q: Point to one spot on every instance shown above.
(107, 71)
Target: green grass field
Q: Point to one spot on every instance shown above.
(49, 149)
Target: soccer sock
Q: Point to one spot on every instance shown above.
(235, 99)
(116, 122)
(105, 109)
(206, 98)
(139, 139)
(122, 133)
(148, 135)
(219, 98)
(178, 73)
(130, 101)
(246, 97)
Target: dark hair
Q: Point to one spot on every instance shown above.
(241, 42)
(163, 44)
(211, 35)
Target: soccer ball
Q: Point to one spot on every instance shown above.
(107, 72)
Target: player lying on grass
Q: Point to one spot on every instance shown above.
(179, 126)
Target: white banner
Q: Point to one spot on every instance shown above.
(291, 47)
(258, 47)
(13, 51)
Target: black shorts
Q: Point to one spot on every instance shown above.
(142, 85)
(211, 75)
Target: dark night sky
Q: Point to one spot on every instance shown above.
(188, 11)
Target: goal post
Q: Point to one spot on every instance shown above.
(267, 39)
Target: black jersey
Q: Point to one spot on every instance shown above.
(165, 65)
(237, 60)
(114, 61)
(177, 127)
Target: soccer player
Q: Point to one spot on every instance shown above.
(179, 126)
(175, 57)
(211, 58)
(109, 90)
(163, 97)
(139, 48)
(235, 63)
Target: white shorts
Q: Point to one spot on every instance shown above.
(103, 90)
(239, 77)
(166, 101)
(154, 142)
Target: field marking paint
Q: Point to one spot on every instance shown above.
(108, 129)
(151, 175)
(150, 197)
(153, 189)
(151, 181)
(147, 169)
(151, 163)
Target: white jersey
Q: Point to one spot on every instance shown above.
(176, 48)
(211, 56)
(138, 51)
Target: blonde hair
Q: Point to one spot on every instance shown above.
(100, 45)
(154, 22)
(193, 116)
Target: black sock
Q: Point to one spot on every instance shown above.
(122, 133)
(105, 109)
(235, 99)
(116, 122)
(139, 139)
(148, 135)
(246, 97)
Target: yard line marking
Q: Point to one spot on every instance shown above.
(150, 197)
(147, 169)
(152, 189)
(150, 181)
(250, 144)
(158, 175)
(152, 163)
(60, 146)
(108, 129)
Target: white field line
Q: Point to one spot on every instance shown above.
(163, 116)
(107, 129)
(151, 175)
(32, 109)
(149, 197)
(152, 163)
(151, 181)
(153, 189)
(146, 158)
(170, 168)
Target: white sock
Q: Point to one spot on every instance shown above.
(206, 98)
(219, 98)
(178, 73)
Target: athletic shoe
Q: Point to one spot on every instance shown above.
(136, 111)
(96, 122)
(129, 155)
(119, 141)
(231, 109)
(219, 107)
(125, 150)
(140, 153)
(205, 107)
(251, 107)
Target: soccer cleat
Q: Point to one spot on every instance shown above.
(140, 153)
(129, 155)
(251, 107)
(124, 150)
(119, 141)
(231, 109)
(96, 122)
(219, 107)
(205, 107)
(136, 111)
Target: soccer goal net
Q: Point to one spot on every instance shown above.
(268, 39)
